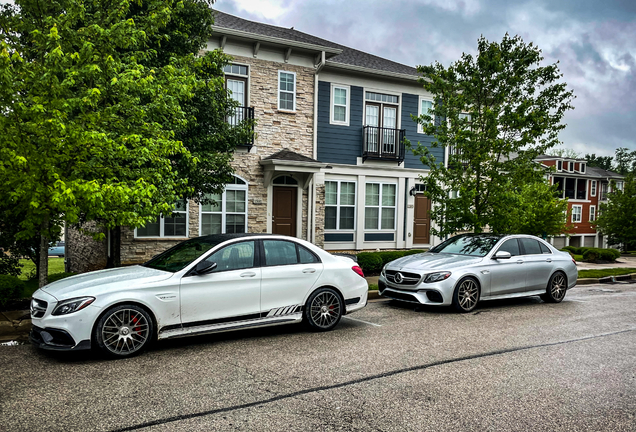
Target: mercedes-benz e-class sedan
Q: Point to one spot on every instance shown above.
(203, 285)
(468, 268)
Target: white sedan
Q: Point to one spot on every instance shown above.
(203, 285)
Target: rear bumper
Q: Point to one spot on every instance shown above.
(56, 340)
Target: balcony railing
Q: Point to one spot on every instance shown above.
(243, 113)
(383, 143)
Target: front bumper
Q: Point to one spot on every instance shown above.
(434, 294)
(56, 340)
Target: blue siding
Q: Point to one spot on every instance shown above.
(339, 144)
(409, 106)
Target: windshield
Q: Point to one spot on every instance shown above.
(178, 257)
(467, 245)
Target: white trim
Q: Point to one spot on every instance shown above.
(593, 186)
(286, 91)
(380, 207)
(223, 212)
(419, 110)
(397, 105)
(592, 215)
(332, 105)
(248, 77)
(580, 214)
(338, 206)
(162, 226)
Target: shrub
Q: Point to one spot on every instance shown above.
(57, 276)
(372, 262)
(9, 265)
(597, 254)
(11, 288)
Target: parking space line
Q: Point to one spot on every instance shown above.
(365, 322)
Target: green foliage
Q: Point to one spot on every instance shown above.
(603, 162)
(625, 161)
(372, 262)
(515, 108)
(616, 217)
(597, 254)
(565, 153)
(10, 288)
(9, 264)
(59, 276)
(605, 272)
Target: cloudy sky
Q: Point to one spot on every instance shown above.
(595, 43)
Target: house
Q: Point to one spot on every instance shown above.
(585, 188)
(328, 163)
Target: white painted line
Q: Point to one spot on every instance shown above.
(580, 301)
(365, 322)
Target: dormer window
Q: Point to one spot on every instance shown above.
(559, 165)
(582, 166)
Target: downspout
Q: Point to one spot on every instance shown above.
(318, 69)
(311, 211)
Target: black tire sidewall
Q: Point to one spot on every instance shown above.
(97, 337)
(456, 305)
(548, 294)
(309, 322)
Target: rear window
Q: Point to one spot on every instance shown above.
(530, 246)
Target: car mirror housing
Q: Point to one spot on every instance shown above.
(502, 255)
(204, 267)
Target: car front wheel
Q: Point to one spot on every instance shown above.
(466, 295)
(123, 331)
(557, 286)
(323, 310)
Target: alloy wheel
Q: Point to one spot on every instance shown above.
(557, 287)
(125, 331)
(468, 294)
(325, 309)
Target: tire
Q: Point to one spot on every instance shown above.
(466, 295)
(123, 331)
(556, 289)
(323, 310)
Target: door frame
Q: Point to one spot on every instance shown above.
(429, 219)
(299, 204)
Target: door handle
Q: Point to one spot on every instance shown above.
(519, 262)
(309, 270)
(548, 260)
(248, 274)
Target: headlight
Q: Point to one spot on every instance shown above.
(72, 305)
(436, 277)
(383, 272)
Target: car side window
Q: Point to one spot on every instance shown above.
(511, 246)
(530, 246)
(545, 249)
(233, 257)
(279, 252)
(305, 256)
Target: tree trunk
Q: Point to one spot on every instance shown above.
(43, 267)
(114, 248)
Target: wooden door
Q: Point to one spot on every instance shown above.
(284, 211)
(422, 220)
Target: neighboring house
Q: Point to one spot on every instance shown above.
(585, 188)
(328, 163)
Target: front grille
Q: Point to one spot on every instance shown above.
(401, 296)
(38, 308)
(407, 278)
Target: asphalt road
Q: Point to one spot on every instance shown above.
(516, 365)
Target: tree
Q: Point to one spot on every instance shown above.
(88, 127)
(616, 217)
(603, 162)
(495, 113)
(625, 161)
(566, 153)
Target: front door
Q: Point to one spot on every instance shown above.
(284, 211)
(421, 220)
(236, 86)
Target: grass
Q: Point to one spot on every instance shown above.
(56, 266)
(577, 257)
(373, 287)
(605, 272)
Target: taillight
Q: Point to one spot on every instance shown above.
(574, 261)
(358, 270)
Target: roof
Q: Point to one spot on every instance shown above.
(289, 155)
(349, 56)
(600, 172)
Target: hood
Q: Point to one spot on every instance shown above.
(97, 282)
(432, 261)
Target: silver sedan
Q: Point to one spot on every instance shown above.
(468, 268)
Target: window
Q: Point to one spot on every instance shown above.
(380, 203)
(559, 165)
(511, 246)
(175, 225)
(235, 69)
(228, 213)
(582, 168)
(286, 91)
(340, 105)
(603, 191)
(530, 246)
(280, 252)
(593, 188)
(619, 186)
(592, 213)
(379, 97)
(236, 256)
(340, 205)
(425, 107)
(576, 213)
(545, 249)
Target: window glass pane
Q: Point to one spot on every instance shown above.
(279, 252)
(235, 201)
(287, 82)
(235, 223)
(216, 207)
(234, 257)
(286, 101)
(340, 96)
(150, 230)
(175, 226)
(330, 217)
(306, 257)
(180, 205)
(388, 195)
(331, 193)
(210, 224)
(340, 113)
(388, 218)
(544, 248)
(238, 181)
(346, 217)
(372, 197)
(531, 246)
(511, 246)
(371, 218)
(426, 106)
(347, 193)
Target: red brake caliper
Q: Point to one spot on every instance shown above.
(137, 329)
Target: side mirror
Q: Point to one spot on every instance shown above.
(502, 255)
(204, 267)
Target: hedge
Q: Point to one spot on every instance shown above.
(594, 254)
(372, 262)
(10, 288)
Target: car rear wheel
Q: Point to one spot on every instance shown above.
(466, 295)
(557, 287)
(123, 331)
(323, 310)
